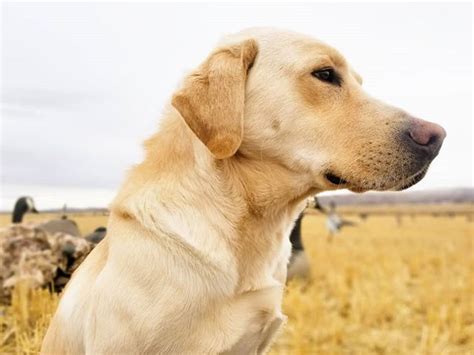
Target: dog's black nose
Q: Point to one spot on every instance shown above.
(426, 136)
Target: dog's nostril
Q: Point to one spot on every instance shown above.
(432, 140)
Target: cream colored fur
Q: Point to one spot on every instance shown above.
(197, 247)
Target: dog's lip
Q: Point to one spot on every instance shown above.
(413, 179)
(335, 179)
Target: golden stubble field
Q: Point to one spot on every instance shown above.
(378, 288)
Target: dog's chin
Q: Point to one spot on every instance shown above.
(377, 185)
(412, 180)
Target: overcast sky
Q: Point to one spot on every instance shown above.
(83, 84)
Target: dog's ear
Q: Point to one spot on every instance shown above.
(211, 100)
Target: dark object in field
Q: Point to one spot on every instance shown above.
(61, 226)
(335, 223)
(64, 225)
(41, 254)
(298, 265)
(31, 254)
(23, 205)
(295, 236)
(97, 235)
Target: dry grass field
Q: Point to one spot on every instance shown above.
(378, 288)
(381, 288)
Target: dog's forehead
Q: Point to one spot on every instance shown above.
(283, 45)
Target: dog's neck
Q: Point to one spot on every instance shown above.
(240, 205)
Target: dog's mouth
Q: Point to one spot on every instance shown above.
(339, 183)
(334, 179)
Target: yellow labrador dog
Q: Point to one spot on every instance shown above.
(196, 253)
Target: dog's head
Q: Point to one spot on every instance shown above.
(285, 97)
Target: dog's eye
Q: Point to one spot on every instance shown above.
(327, 75)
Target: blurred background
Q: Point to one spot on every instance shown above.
(83, 84)
(79, 76)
